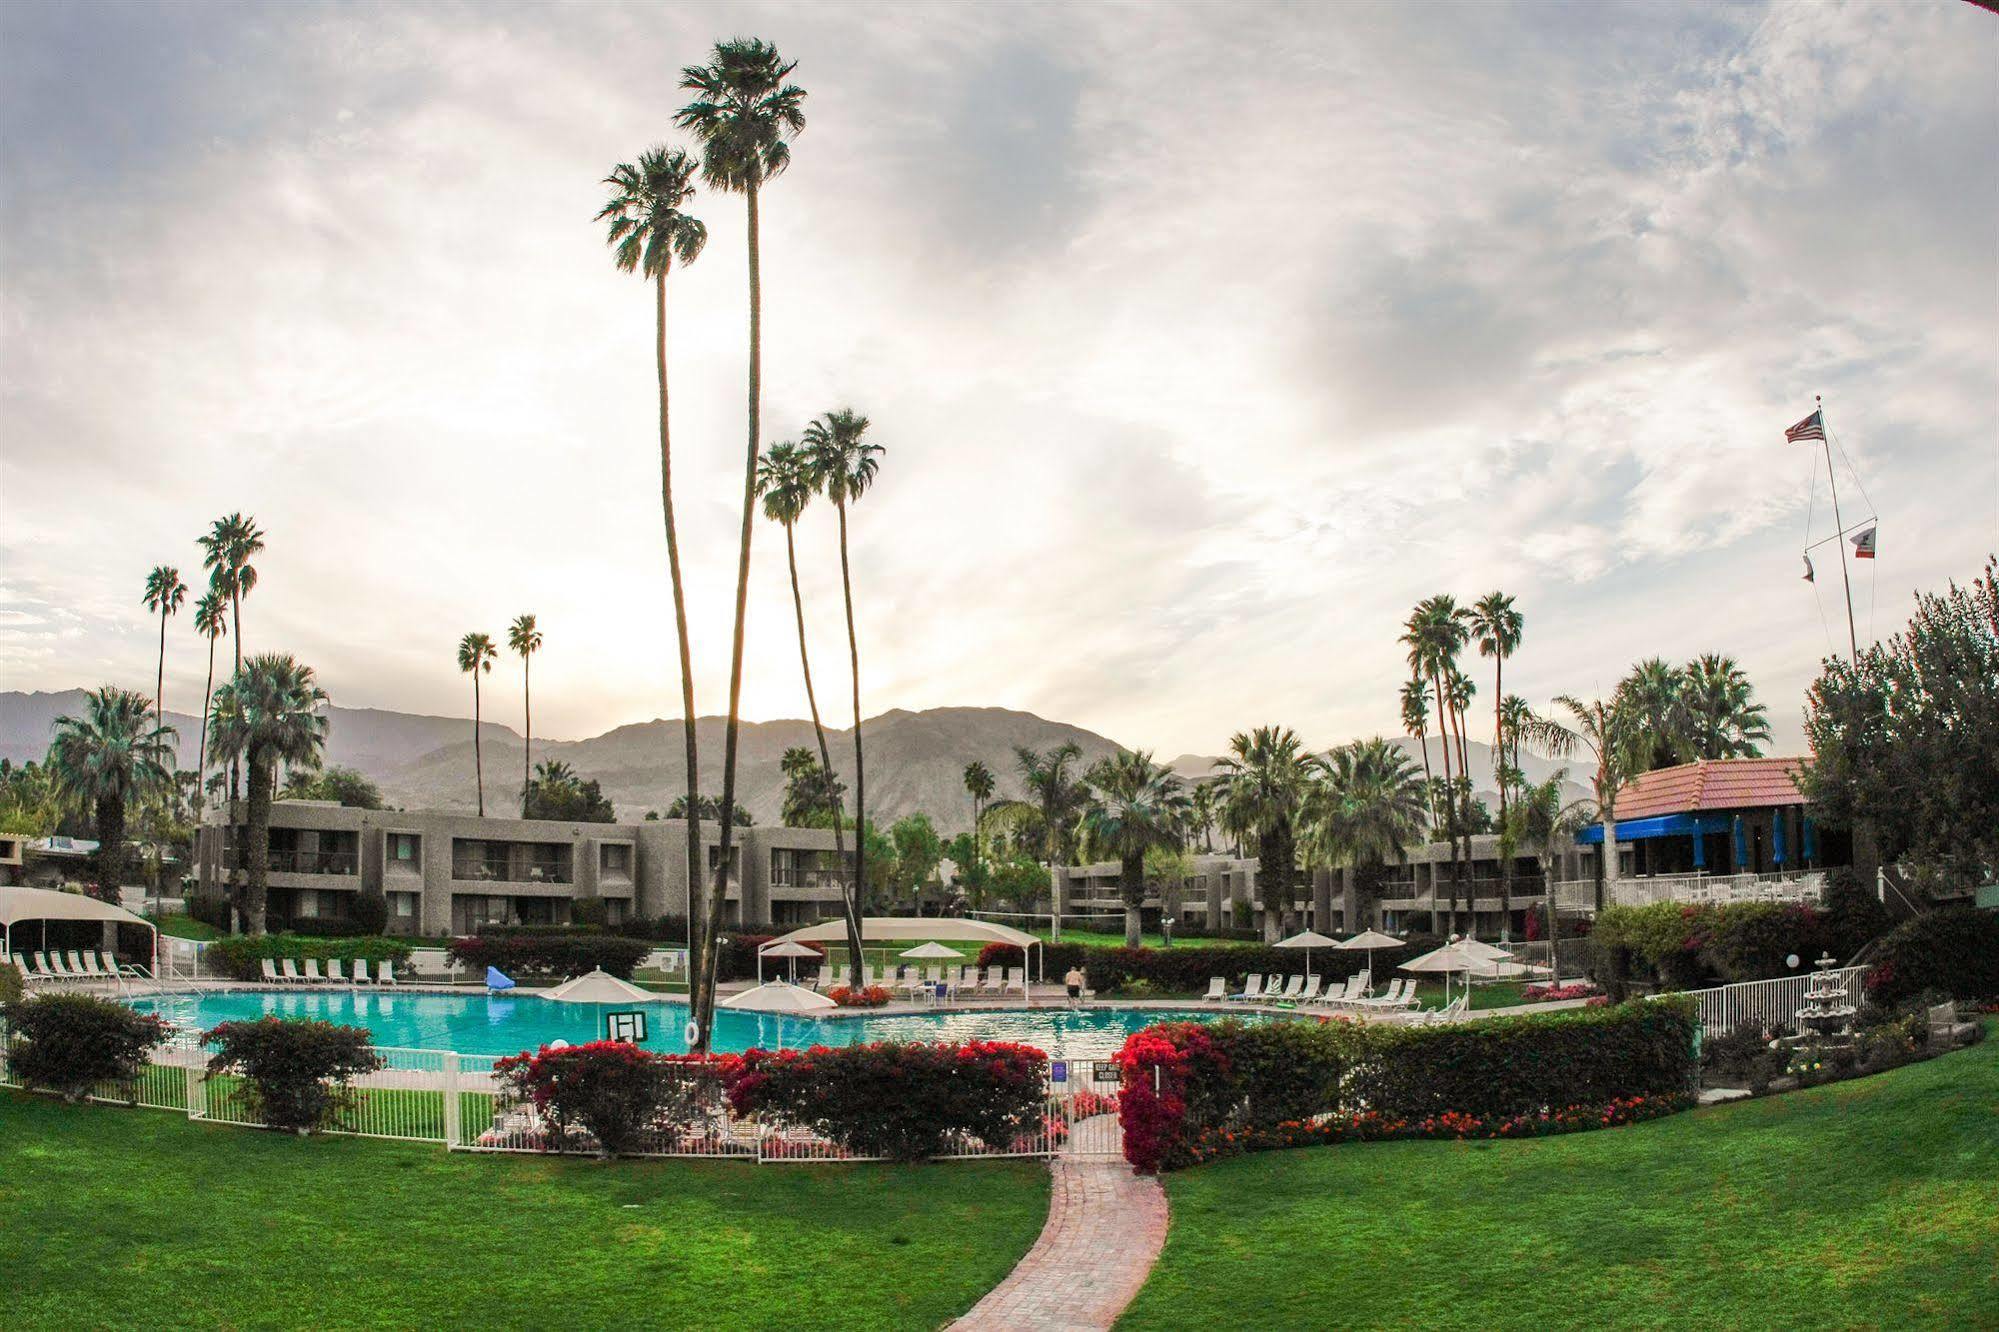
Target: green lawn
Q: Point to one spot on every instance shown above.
(1870, 1203)
(179, 925)
(113, 1217)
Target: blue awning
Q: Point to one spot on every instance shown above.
(1662, 825)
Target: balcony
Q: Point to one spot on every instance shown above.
(1695, 889)
(514, 871)
(315, 862)
(805, 879)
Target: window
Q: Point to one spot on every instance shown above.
(404, 905)
(616, 859)
(404, 848)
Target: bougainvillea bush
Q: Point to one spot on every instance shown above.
(623, 1097)
(1545, 994)
(1188, 1083)
(870, 996)
(1953, 952)
(296, 1070)
(905, 1100)
(69, 1043)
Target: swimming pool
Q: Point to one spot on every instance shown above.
(506, 1024)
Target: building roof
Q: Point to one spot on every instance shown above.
(1712, 784)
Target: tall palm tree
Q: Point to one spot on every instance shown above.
(524, 638)
(1723, 718)
(744, 114)
(649, 229)
(106, 759)
(1435, 635)
(1416, 723)
(1138, 806)
(979, 786)
(1265, 778)
(1364, 809)
(476, 654)
(266, 716)
(1654, 697)
(1201, 809)
(786, 483)
(839, 461)
(1540, 821)
(211, 622)
(1058, 794)
(1617, 740)
(1496, 627)
(1514, 717)
(231, 543)
(165, 594)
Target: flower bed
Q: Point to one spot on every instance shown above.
(1544, 994)
(846, 996)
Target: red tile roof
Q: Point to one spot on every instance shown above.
(1711, 784)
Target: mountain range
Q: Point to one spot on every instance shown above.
(916, 760)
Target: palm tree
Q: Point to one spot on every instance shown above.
(232, 542)
(810, 790)
(164, 593)
(979, 786)
(1364, 809)
(744, 114)
(649, 230)
(1540, 820)
(211, 622)
(525, 639)
(106, 759)
(785, 482)
(1654, 697)
(1514, 717)
(1416, 723)
(476, 654)
(1496, 627)
(838, 460)
(1435, 634)
(268, 715)
(1265, 778)
(1616, 739)
(1201, 806)
(1057, 794)
(1723, 718)
(1138, 806)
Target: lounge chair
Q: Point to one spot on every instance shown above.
(94, 969)
(1218, 988)
(269, 970)
(44, 970)
(361, 971)
(385, 972)
(312, 971)
(1311, 990)
(76, 968)
(1016, 979)
(333, 972)
(1253, 989)
(289, 971)
(1292, 989)
(21, 965)
(60, 968)
(1340, 996)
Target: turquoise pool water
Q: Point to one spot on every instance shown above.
(506, 1024)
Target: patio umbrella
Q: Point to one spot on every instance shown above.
(1308, 940)
(1368, 941)
(784, 948)
(599, 987)
(777, 997)
(932, 950)
(1452, 957)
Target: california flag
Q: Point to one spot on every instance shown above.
(1863, 545)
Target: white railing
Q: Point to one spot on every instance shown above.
(1767, 1004)
(1719, 889)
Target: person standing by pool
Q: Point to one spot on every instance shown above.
(1075, 980)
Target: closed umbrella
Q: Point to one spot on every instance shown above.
(1368, 941)
(786, 948)
(1308, 940)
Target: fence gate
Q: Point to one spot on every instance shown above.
(1084, 1095)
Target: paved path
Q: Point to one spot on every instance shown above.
(1105, 1228)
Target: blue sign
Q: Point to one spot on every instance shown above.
(1058, 1071)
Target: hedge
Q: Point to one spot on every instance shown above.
(550, 954)
(624, 1098)
(1187, 969)
(1683, 945)
(70, 1043)
(238, 955)
(1954, 951)
(1192, 1090)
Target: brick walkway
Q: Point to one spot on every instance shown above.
(1105, 1228)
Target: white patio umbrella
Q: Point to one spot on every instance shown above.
(932, 950)
(1368, 941)
(1308, 940)
(1452, 957)
(599, 987)
(777, 997)
(785, 948)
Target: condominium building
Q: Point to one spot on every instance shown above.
(444, 872)
(1209, 894)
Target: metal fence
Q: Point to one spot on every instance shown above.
(1769, 1004)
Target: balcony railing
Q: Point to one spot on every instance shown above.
(315, 862)
(1782, 886)
(500, 871)
(805, 878)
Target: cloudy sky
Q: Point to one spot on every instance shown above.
(1203, 340)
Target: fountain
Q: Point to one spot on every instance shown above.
(1828, 1013)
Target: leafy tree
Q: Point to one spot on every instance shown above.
(744, 114)
(475, 657)
(1540, 821)
(1905, 740)
(1620, 745)
(1365, 807)
(556, 792)
(165, 593)
(524, 638)
(1265, 778)
(211, 622)
(349, 786)
(812, 796)
(1136, 806)
(32, 802)
(1496, 627)
(918, 849)
(106, 760)
(1653, 698)
(267, 715)
(1057, 794)
(649, 229)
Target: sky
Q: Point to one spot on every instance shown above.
(1203, 341)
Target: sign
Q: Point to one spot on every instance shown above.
(1058, 1070)
(625, 1027)
(1106, 1070)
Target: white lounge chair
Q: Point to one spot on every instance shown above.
(21, 965)
(1218, 988)
(1016, 979)
(60, 968)
(1292, 989)
(1311, 990)
(361, 976)
(268, 970)
(76, 967)
(1252, 989)
(289, 971)
(95, 969)
(385, 972)
(44, 969)
(312, 971)
(333, 972)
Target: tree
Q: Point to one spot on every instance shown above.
(1496, 627)
(32, 802)
(979, 786)
(475, 657)
(348, 786)
(1058, 796)
(556, 792)
(1653, 700)
(1434, 634)
(232, 542)
(1720, 711)
(786, 484)
(211, 622)
(812, 795)
(1905, 739)
(1541, 820)
(649, 229)
(1416, 723)
(1265, 777)
(744, 115)
(1137, 806)
(267, 715)
(1365, 807)
(711, 810)
(524, 638)
(108, 758)
(1618, 743)
(164, 595)
(1201, 811)
(918, 849)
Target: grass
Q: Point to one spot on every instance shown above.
(1869, 1203)
(135, 1217)
(180, 925)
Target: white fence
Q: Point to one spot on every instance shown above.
(1767, 1004)
(1719, 889)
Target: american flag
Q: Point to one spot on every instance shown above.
(1809, 428)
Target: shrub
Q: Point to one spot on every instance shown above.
(1684, 945)
(1231, 1078)
(211, 909)
(1542, 994)
(317, 927)
(12, 987)
(872, 996)
(1955, 951)
(70, 1043)
(738, 956)
(614, 1091)
(238, 955)
(901, 1100)
(371, 913)
(297, 1071)
(1854, 915)
(564, 954)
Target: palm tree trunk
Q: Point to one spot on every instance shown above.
(160, 688)
(854, 662)
(478, 762)
(110, 847)
(679, 618)
(1450, 796)
(849, 894)
(703, 999)
(527, 740)
(1499, 771)
(1132, 881)
(201, 757)
(258, 849)
(242, 891)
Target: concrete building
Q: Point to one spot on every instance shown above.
(1209, 895)
(448, 873)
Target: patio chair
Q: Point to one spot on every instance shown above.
(289, 971)
(1292, 989)
(95, 969)
(76, 965)
(361, 971)
(21, 965)
(991, 981)
(52, 966)
(385, 972)
(1016, 979)
(1345, 995)
(1253, 988)
(313, 973)
(268, 970)
(1218, 988)
(1311, 990)
(334, 973)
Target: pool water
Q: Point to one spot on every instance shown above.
(506, 1024)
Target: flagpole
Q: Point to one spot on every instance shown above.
(1852, 639)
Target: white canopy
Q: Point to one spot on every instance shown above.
(777, 997)
(1451, 957)
(933, 949)
(24, 904)
(915, 929)
(599, 987)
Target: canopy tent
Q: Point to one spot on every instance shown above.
(1452, 957)
(24, 904)
(599, 987)
(1308, 940)
(918, 929)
